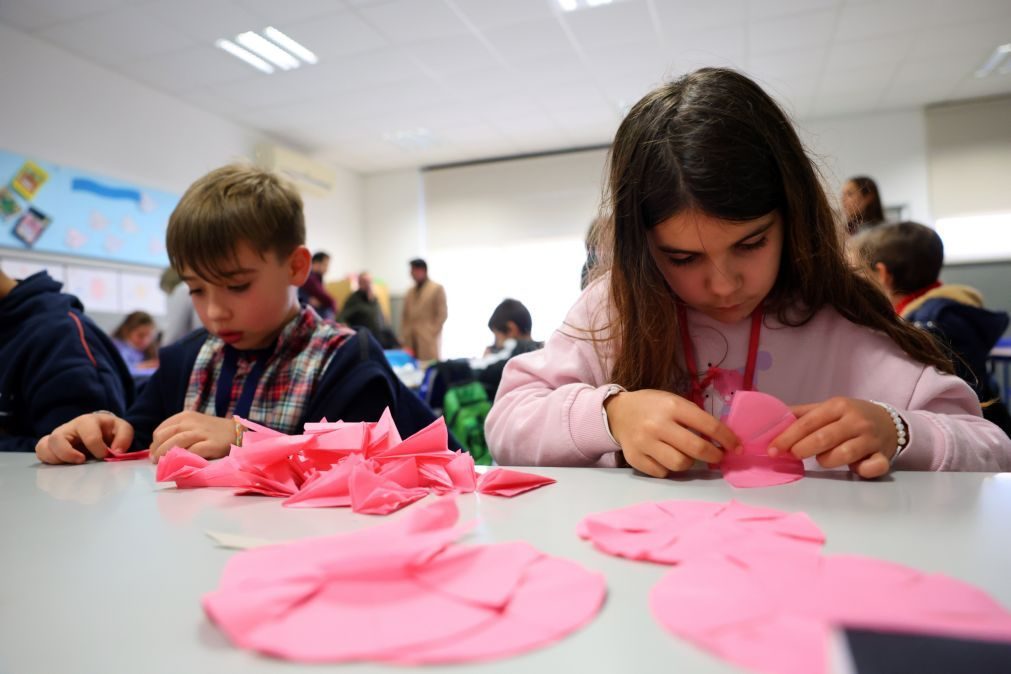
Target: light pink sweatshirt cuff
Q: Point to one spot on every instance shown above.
(586, 423)
(920, 454)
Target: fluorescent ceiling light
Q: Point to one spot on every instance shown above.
(266, 49)
(573, 5)
(995, 59)
(291, 45)
(250, 58)
(411, 139)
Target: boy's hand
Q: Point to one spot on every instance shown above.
(205, 435)
(659, 432)
(93, 433)
(841, 432)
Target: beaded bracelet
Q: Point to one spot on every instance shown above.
(900, 428)
(239, 430)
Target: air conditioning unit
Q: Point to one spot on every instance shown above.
(309, 175)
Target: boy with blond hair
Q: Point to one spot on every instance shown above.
(237, 239)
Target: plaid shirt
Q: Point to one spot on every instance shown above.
(301, 355)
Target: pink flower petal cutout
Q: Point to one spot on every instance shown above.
(113, 455)
(670, 532)
(757, 419)
(776, 612)
(509, 483)
(401, 593)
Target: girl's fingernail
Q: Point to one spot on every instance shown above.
(773, 451)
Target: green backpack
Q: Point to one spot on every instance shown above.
(464, 407)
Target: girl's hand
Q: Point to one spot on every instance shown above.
(659, 432)
(842, 432)
(205, 435)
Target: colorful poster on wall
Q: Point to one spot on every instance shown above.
(29, 179)
(51, 208)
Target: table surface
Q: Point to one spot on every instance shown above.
(102, 569)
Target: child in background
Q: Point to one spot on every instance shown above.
(861, 202)
(134, 338)
(55, 363)
(510, 324)
(724, 270)
(906, 259)
(237, 239)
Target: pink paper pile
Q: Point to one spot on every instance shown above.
(401, 593)
(670, 532)
(366, 466)
(777, 613)
(757, 419)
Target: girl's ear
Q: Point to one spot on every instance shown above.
(512, 330)
(299, 265)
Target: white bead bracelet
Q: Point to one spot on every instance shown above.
(900, 428)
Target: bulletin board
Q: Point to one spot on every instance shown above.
(49, 208)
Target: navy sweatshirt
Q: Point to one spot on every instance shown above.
(55, 364)
(357, 385)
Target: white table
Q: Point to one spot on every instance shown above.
(102, 570)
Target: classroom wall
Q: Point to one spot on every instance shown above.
(66, 110)
(890, 147)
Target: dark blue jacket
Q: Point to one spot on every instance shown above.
(55, 364)
(969, 333)
(357, 385)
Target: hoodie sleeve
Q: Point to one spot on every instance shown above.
(947, 430)
(549, 407)
(72, 372)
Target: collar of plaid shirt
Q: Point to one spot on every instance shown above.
(300, 357)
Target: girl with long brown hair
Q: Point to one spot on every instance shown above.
(723, 269)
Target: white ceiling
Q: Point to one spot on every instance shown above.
(501, 77)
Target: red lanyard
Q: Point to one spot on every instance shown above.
(700, 385)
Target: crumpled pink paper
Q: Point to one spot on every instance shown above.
(776, 612)
(670, 532)
(401, 593)
(509, 483)
(365, 466)
(757, 419)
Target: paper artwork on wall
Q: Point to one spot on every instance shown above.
(8, 203)
(98, 289)
(22, 269)
(29, 179)
(31, 225)
(81, 212)
(141, 292)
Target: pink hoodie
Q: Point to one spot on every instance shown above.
(548, 410)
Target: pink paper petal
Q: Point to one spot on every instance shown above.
(554, 598)
(402, 471)
(178, 463)
(127, 456)
(372, 494)
(398, 593)
(670, 532)
(461, 473)
(432, 439)
(757, 419)
(506, 482)
(330, 489)
(775, 612)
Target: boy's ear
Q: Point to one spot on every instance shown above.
(299, 266)
(512, 330)
(883, 275)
